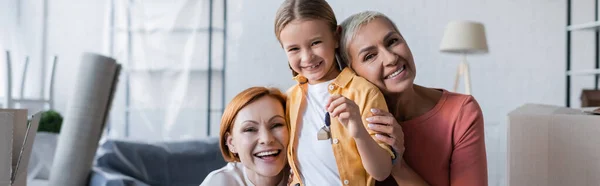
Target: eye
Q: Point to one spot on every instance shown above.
(393, 41)
(277, 125)
(249, 129)
(369, 57)
(293, 49)
(315, 43)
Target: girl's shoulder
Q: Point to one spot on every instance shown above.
(350, 80)
(293, 89)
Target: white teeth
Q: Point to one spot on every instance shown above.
(314, 66)
(267, 153)
(396, 73)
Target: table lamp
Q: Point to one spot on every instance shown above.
(464, 37)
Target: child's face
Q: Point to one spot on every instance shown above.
(310, 47)
(260, 136)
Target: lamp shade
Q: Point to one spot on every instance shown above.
(464, 37)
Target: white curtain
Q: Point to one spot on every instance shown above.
(21, 23)
(164, 48)
(9, 37)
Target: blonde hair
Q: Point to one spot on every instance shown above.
(240, 101)
(291, 10)
(352, 24)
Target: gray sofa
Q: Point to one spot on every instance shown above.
(126, 163)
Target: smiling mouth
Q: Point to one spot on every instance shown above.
(268, 154)
(314, 66)
(396, 73)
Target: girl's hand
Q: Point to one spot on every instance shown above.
(347, 113)
(388, 129)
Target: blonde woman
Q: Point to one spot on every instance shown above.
(441, 131)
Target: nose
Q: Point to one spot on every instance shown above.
(389, 58)
(266, 137)
(307, 56)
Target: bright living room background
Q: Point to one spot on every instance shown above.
(526, 62)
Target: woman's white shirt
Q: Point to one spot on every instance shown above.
(232, 174)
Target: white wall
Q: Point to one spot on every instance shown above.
(526, 62)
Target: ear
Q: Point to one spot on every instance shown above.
(338, 35)
(229, 139)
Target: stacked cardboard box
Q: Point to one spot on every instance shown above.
(551, 145)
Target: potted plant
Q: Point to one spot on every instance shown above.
(50, 122)
(45, 143)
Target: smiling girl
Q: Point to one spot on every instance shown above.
(327, 108)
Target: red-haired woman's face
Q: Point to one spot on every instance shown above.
(260, 136)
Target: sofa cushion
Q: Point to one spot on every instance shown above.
(164, 163)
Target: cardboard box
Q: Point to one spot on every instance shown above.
(16, 141)
(551, 145)
(590, 98)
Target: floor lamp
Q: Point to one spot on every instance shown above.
(464, 37)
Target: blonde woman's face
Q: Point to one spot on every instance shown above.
(260, 136)
(381, 55)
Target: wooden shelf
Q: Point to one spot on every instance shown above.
(586, 72)
(590, 26)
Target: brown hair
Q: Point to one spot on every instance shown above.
(291, 10)
(240, 101)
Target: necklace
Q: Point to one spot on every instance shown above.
(325, 132)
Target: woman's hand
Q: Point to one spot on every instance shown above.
(348, 114)
(388, 130)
